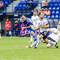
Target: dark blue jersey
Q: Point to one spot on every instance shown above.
(25, 24)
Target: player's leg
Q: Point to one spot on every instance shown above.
(56, 45)
(52, 42)
(35, 43)
(31, 39)
(48, 45)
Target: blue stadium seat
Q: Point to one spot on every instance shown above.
(57, 12)
(52, 17)
(59, 4)
(56, 17)
(56, 4)
(59, 16)
(26, 8)
(50, 8)
(57, 8)
(51, 4)
(48, 17)
(54, 7)
(34, 4)
(7, 1)
(53, 12)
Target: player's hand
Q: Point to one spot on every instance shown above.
(23, 28)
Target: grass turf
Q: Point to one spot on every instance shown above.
(13, 48)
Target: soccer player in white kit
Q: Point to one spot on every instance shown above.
(33, 35)
(43, 26)
(53, 37)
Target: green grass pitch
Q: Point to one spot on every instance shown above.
(13, 48)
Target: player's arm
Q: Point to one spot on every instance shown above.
(53, 30)
(37, 28)
(29, 24)
(46, 26)
(28, 27)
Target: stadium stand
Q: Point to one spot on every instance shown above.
(5, 4)
(24, 7)
(1, 6)
(54, 7)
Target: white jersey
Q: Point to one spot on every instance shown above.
(58, 27)
(55, 35)
(35, 20)
(42, 23)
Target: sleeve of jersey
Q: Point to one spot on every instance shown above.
(53, 30)
(29, 23)
(46, 22)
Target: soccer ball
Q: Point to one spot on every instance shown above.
(26, 46)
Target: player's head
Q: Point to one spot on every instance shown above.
(41, 16)
(35, 13)
(7, 19)
(23, 18)
(16, 22)
(41, 11)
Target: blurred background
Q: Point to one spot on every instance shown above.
(12, 10)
